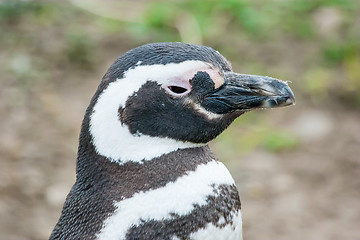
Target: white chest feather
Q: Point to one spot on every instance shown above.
(179, 197)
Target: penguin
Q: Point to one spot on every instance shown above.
(144, 169)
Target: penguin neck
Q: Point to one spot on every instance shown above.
(93, 169)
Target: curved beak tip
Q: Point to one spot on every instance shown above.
(290, 101)
(284, 97)
(291, 97)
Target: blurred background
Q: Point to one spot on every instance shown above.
(297, 168)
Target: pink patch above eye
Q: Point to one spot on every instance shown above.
(180, 86)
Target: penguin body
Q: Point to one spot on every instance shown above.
(144, 170)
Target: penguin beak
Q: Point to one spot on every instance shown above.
(242, 92)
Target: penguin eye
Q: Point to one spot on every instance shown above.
(177, 89)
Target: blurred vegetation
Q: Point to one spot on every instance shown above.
(315, 43)
(251, 131)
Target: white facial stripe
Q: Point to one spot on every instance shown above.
(180, 199)
(198, 108)
(216, 77)
(203, 111)
(112, 139)
(229, 232)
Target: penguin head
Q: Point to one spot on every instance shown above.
(160, 97)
